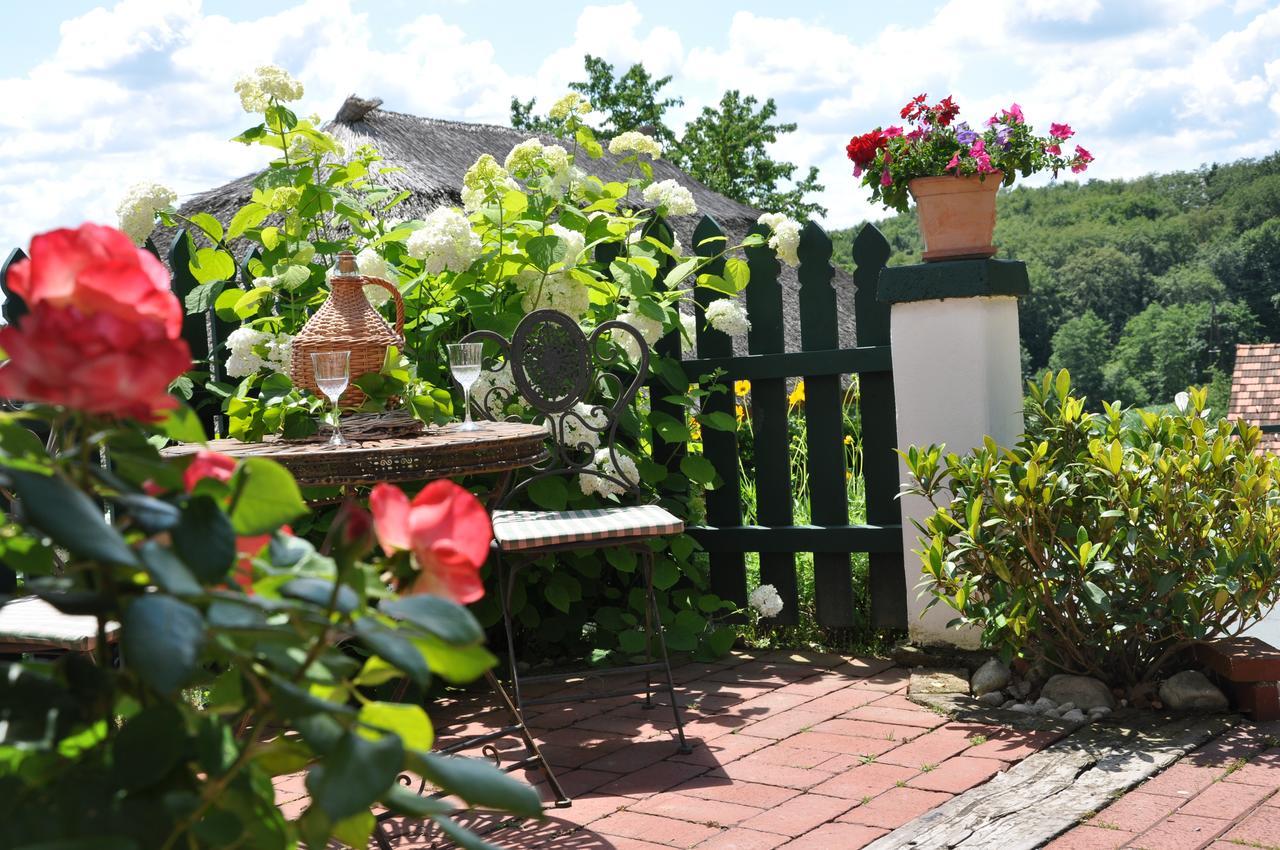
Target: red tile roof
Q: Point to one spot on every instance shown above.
(1255, 389)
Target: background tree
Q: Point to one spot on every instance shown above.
(1081, 346)
(725, 147)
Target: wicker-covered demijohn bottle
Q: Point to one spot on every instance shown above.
(347, 322)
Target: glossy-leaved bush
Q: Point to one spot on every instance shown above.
(1103, 543)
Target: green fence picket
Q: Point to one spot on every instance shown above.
(887, 585)
(828, 488)
(772, 441)
(724, 503)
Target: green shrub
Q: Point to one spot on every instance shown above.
(1103, 544)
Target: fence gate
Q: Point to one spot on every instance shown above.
(821, 362)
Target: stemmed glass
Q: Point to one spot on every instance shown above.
(333, 373)
(464, 362)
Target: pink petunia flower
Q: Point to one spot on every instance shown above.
(1056, 150)
(885, 179)
(1061, 131)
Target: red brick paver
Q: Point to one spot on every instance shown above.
(1221, 796)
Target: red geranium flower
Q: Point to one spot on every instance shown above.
(447, 530)
(862, 149)
(946, 111)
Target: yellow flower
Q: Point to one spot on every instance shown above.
(695, 430)
(741, 388)
(848, 440)
(741, 412)
(797, 395)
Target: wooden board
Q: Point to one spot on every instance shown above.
(1051, 791)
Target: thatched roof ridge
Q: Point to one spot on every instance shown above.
(431, 155)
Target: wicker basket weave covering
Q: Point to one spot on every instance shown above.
(347, 322)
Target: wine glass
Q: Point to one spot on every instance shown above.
(464, 362)
(333, 373)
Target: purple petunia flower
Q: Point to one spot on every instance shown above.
(1002, 136)
(964, 135)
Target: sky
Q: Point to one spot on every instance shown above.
(99, 96)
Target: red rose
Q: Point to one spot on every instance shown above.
(97, 270)
(103, 331)
(445, 527)
(862, 149)
(208, 464)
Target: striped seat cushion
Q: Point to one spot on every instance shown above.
(516, 530)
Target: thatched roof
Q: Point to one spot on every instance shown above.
(432, 155)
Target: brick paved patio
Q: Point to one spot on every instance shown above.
(791, 750)
(1222, 796)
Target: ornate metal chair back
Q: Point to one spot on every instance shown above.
(580, 386)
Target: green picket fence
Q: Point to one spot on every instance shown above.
(822, 363)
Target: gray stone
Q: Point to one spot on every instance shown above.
(1075, 715)
(1045, 704)
(1099, 712)
(1021, 689)
(994, 699)
(1084, 692)
(1066, 706)
(991, 676)
(1023, 708)
(1009, 703)
(1191, 691)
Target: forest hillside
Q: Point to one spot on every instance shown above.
(1138, 287)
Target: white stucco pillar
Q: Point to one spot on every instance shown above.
(956, 379)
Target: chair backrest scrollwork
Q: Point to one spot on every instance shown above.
(579, 385)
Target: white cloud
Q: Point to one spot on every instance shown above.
(142, 90)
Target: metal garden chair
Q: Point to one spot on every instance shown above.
(581, 387)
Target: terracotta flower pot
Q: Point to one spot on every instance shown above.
(957, 215)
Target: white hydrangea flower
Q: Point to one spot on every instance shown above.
(137, 210)
(266, 82)
(765, 601)
(483, 178)
(688, 328)
(243, 359)
(574, 243)
(635, 142)
(603, 487)
(523, 158)
(669, 194)
(372, 264)
(571, 104)
(445, 241)
(728, 316)
(583, 425)
(558, 291)
(785, 240)
(494, 390)
(280, 353)
(650, 329)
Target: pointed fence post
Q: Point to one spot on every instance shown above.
(956, 379)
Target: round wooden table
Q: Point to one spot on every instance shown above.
(439, 452)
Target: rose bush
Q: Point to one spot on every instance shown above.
(228, 651)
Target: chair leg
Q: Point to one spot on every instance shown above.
(662, 648)
(506, 586)
(646, 556)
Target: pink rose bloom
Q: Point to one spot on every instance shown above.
(1061, 131)
(447, 530)
(103, 332)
